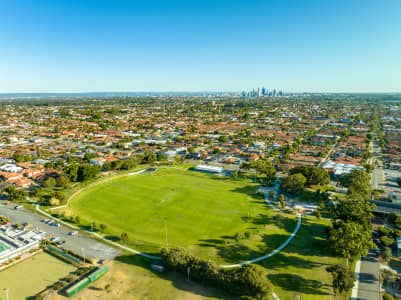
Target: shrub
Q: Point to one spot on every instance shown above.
(385, 231)
(239, 236)
(387, 297)
(387, 241)
(386, 253)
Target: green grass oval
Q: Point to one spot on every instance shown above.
(202, 212)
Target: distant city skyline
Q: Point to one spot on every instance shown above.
(199, 46)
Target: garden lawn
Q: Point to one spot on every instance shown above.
(300, 268)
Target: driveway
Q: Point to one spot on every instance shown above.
(79, 243)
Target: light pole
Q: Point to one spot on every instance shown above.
(6, 290)
(165, 226)
(83, 252)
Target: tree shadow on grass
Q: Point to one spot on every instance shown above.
(178, 280)
(296, 283)
(283, 260)
(249, 190)
(113, 238)
(281, 221)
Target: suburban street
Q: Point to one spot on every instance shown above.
(369, 284)
(80, 244)
(369, 275)
(378, 172)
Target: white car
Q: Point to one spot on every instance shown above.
(54, 239)
(73, 233)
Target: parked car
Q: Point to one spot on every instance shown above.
(73, 233)
(54, 239)
(55, 224)
(18, 207)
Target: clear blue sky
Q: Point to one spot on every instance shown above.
(300, 45)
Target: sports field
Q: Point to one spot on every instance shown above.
(31, 276)
(202, 212)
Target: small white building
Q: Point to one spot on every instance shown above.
(209, 169)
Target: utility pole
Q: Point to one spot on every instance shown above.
(83, 252)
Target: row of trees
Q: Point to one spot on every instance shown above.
(249, 280)
(77, 172)
(350, 234)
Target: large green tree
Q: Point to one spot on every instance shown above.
(350, 239)
(354, 209)
(313, 175)
(343, 278)
(293, 184)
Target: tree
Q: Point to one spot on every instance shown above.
(386, 253)
(87, 171)
(343, 278)
(293, 184)
(124, 237)
(223, 139)
(350, 239)
(15, 194)
(385, 231)
(281, 200)
(77, 219)
(354, 209)
(369, 168)
(103, 227)
(149, 157)
(128, 164)
(107, 166)
(387, 296)
(60, 195)
(67, 214)
(72, 172)
(49, 182)
(178, 159)
(54, 201)
(386, 241)
(63, 181)
(313, 175)
(265, 167)
(271, 195)
(357, 182)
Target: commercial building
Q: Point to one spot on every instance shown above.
(14, 241)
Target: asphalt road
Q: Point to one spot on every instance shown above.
(80, 244)
(369, 285)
